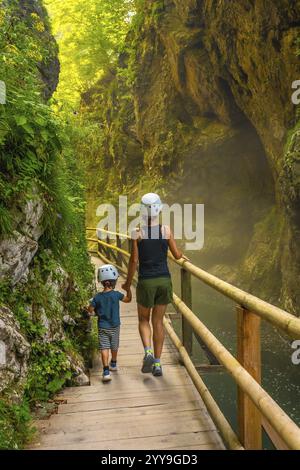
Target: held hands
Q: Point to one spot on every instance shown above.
(126, 286)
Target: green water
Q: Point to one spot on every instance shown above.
(280, 378)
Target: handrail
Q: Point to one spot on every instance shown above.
(108, 232)
(287, 322)
(281, 422)
(108, 245)
(216, 414)
(286, 429)
(283, 320)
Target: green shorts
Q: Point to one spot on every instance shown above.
(154, 291)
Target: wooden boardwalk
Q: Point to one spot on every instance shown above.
(134, 410)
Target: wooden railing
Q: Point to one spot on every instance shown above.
(256, 408)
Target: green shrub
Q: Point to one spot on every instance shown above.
(48, 373)
(15, 425)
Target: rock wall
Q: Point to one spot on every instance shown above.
(18, 250)
(14, 353)
(210, 120)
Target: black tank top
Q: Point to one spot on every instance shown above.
(153, 253)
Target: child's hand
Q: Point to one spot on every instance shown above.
(85, 312)
(89, 311)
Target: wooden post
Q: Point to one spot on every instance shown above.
(249, 356)
(108, 250)
(186, 295)
(119, 255)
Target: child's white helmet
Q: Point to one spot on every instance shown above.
(151, 204)
(107, 272)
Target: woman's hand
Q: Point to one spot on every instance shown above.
(126, 286)
(185, 258)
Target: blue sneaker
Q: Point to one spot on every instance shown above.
(148, 362)
(157, 369)
(113, 366)
(106, 377)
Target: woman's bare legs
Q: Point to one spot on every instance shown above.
(144, 325)
(158, 329)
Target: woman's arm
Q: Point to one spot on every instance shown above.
(173, 247)
(132, 266)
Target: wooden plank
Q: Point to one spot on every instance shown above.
(79, 398)
(121, 428)
(162, 400)
(110, 415)
(249, 356)
(195, 439)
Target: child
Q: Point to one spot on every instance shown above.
(105, 305)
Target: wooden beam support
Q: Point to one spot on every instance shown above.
(119, 255)
(186, 295)
(249, 356)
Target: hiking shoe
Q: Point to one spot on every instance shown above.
(106, 377)
(147, 363)
(113, 366)
(157, 369)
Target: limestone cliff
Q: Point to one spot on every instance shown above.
(209, 118)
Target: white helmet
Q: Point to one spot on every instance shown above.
(107, 272)
(151, 204)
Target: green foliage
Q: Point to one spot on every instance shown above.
(29, 132)
(5, 290)
(15, 424)
(49, 371)
(157, 9)
(33, 329)
(90, 35)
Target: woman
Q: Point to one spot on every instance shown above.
(149, 249)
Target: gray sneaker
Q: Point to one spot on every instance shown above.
(147, 363)
(113, 366)
(157, 369)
